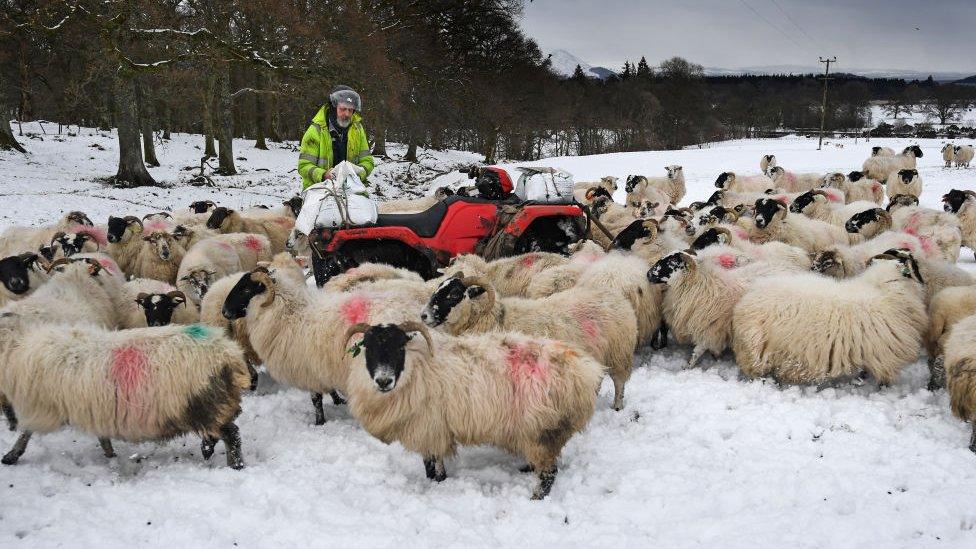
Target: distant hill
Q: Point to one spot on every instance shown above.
(564, 64)
(969, 81)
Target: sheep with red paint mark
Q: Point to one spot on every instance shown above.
(134, 385)
(793, 182)
(939, 232)
(601, 321)
(511, 275)
(293, 327)
(828, 205)
(527, 395)
(564, 277)
(730, 181)
(366, 273)
(275, 228)
(700, 296)
(18, 240)
(214, 258)
(855, 187)
(774, 222)
(773, 251)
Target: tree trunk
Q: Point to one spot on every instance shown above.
(144, 103)
(7, 139)
(411, 155)
(208, 130)
(379, 146)
(261, 115)
(167, 119)
(132, 172)
(26, 110)
(225, 124)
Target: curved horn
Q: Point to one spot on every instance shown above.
(56, 236)
(177, 293)
(689, 258)
(141, 296)
(56, 263)
(476, 280)
(360, 328)
(723, 230)
(261, 275)
(130, 219)
(414, 326)
(970, 193)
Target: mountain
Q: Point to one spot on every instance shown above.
(968, 81)
(938, 76)
(564, 64)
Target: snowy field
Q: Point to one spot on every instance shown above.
(696, 459)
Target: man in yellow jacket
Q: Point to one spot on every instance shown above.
(336, 134)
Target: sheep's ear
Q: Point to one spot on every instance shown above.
(141, 298)
(474, 291)
(459, 275)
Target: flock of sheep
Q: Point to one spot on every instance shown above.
(148, 329)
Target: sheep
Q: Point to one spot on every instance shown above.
(849, 261)
(599, 320)
(938, 232)
(216, 257)
(289, 208)
(511, 275)
(771, 252)
(672, 186)
(146, 302)
(806, 328)
(773, 222)
(67, 244)
(583, 190)
(188, 237)
(645, 239)
(855, 187)
(159, 258)
(938, 274)
(963, 155)
(563, 277)
(700, 295)
(946, 309)
(17, 240)
(366, 273)
(286, 323)
(196, 215)
(960, 370)
(124, 240)
(275, 228)
(904, 182)
(79, 291)
(136, 385)
(794, 182)
(729, 181)
(20, 275)
(767, 161)
(882, 151)
(822, 205)
(948, 154)
(963, 205)
(528, 395)
(879, 167)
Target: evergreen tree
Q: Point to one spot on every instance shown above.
(643, 69)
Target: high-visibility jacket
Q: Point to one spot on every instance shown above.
(315, 154)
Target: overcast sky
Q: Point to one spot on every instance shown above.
(863, 34)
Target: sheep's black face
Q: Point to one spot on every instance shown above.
(860, 220)
(856, 176)
(80, 218)
(201, 206)
(594, 192)
(953, 200)
(626, 238)
(801, 202)
(716, 198)
(902, 200)
(824, 262)
(235, 306)
(666, 268)
(71, 243)
(385, 349)
(708, 238)
(722, 179)
(632, 182)
(47, 252)
(766, 210)
(295, 205)
(116, 228)
(915, 149)
(159, 307)
(14, 273)
(217, 218)
(448, 295)
(907, 175)
(875, 151)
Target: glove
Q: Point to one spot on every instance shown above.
(360, 171)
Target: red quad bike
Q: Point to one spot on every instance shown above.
(426, 241)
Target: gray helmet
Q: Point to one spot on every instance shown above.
(346, 96)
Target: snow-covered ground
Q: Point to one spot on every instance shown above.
(696, 458)
(966, 118)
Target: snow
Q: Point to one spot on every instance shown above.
(966, 118)
(564, 64)
(696, 458)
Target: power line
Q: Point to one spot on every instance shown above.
(770, 23)
(813, 40)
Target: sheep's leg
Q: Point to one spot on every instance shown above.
(254, 375)
(8, 412)
(618, 393)
(937, 374)
(696, 355)
(972, 440)
(319, 411)
(547, 477)
(231, 436)
(660, 338)
(106, 444)
(337, 398)
(434, 466)
(207, 446)
(527, 469)
(18, 450)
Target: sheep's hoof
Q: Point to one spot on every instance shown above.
(546, 479)
(207, 447)
(10, 459)
(527, 469)
(337, 398)
(107, 449)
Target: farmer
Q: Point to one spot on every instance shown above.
(336, 134)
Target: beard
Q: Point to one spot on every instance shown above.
(343, 122)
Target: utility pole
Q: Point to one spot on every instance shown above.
(823, 109)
